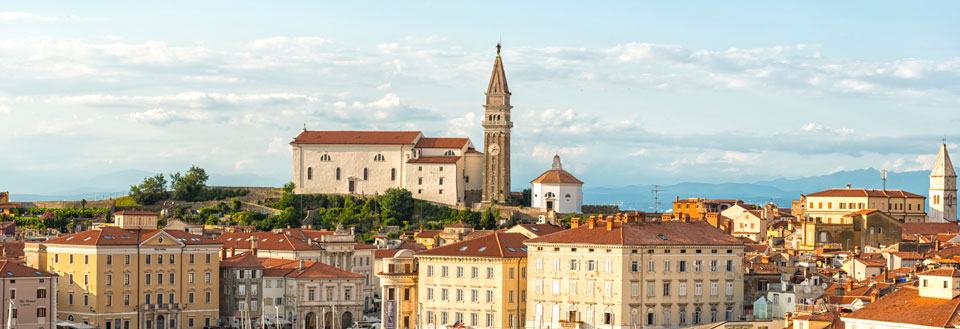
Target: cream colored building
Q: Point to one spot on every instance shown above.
(623, 274)
(831, 205)
(132, 277)
(931, 304)
(444, 170)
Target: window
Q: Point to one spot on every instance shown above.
(713, 265)
(556, 264)
(591, 265)
(441, 180)
(574, 264)
(489, 295)
(459, 271)
(651, 266)
(364, 173)
(146, 278)
(609, 266)
(338, 173)
(147, 259)
(651, 290)
(379, 157)
(730, 265)
(538, 286)
(70, 259)
(698, 266)
(41, 293)
(325, 157)
(126, 299)
(41, 312)
(666, 266)
(444, 271)
(634, 289)
(666, 289)
(608, 289)
(713, 288)
(698, 289)
(206, 277)
(591, 285)
(190, 297)
(207, 296)
(173, 259)
(190, 277)
(556, 287)
(539, 263)
(109, 259)
(729, 288)
(208, 258)
(56, 258)
(393, 173)
(419, 180)
(682, 266)
(309, 173)
(444, 294)
(683, 289)
(573, 288)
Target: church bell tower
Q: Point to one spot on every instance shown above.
(496, 136)
(943, 189)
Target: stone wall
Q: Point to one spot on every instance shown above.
(600, 209)
(69, 204)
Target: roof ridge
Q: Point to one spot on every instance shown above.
(496, 236)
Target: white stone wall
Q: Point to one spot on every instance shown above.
(562, 204)
(352, 160)
(423, 180)
(473, 169)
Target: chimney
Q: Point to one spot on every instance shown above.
(600, 217)
(575, 222)
(421, 228)
(936, 244)
(233, 251)
(849, 285)
(874, 295)
(301, 265)
(609, 225)
(591, 222)
(253, 245)
(848, 186)
(223, 253)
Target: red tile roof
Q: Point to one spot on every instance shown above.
(311, 269)
(499, 244)
(244, 260)
(13, 269)
(136, 213)
(859, 192)
(357, 137)
(947, 272)
(266, 241)
(116, 236)
(861, 212)
(442, 142)
(309, 234)
(929, 228)
(650, 233)
(363, 246)
(907, 307)
(541, 229)
(440, 159)
(557, 176)
(13, 249)
(428, 234)
(9, 205)
(473, 151)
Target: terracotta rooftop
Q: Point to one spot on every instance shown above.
(946, 272)
(13, 249)
(650, 233)
(13, 269)
(136, 213)
(427, 233)
(311, 269)
(442, 142)
(244, 260)
(473, 151)
(266, 241)
(905, 306)
(859, 192)
(929, 228)
(308, 234)
(861, 212)
(109, 235)
(440, 159)
(541, 229)
(385, 253)
(361, 245)
(357, 137)
(498, 244)
(459, 224)
(557, 176)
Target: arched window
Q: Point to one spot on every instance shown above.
(823, 236)
(449, 153)
(696, 316)
(590, 318)
(634, 317)
(325, 157)
(549, 195)
(666, 317)
(572, 313)
(379, 157)
(651, 317)
(309, 173)
(713, 315)
(567, 196)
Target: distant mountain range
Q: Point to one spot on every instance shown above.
(634, 197)
(779, 191)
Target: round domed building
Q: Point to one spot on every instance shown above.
(557, 190)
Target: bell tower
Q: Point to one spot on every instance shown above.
(496, 136)
(943, 189)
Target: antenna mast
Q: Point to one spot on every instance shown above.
(656, 197)
(883, 176)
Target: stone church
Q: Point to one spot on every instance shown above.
(446, 170)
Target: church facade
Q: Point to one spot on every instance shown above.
(446, 170)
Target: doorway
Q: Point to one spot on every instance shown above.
(352, 186)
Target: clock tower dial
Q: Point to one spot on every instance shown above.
(496, 135)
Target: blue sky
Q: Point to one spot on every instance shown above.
(627, 92)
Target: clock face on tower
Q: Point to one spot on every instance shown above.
(494, 149)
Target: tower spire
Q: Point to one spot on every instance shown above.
(943, 189)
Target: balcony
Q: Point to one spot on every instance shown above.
(565, 324)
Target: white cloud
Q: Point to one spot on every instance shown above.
(160, 116)
(4, 109)
(813, 127)
(546, 151)
(278, 145)
(211, 78)
(20, 15)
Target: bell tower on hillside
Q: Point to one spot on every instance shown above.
(496, 136)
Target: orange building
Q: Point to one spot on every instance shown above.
(697, 208)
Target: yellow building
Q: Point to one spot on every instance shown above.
(133, 276)
(627, 274)
(831, 205)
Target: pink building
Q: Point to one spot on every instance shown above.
(33, 293)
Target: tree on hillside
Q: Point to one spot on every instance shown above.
(488, 221)
(188, 187)
(397, 203)
(152, 189)
(288, 187)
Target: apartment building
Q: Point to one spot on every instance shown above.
(315, 295)
(132, 275)
(831, 205)
(31, 293)
(241, 286)
(621, 273)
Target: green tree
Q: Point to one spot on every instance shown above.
(526, 198)
(288, 187)
(488, 221)
(397, 203)
(83, 203)
(235, 204)
(189, 186)
(152, 189)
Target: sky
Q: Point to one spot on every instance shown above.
(627, 93)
